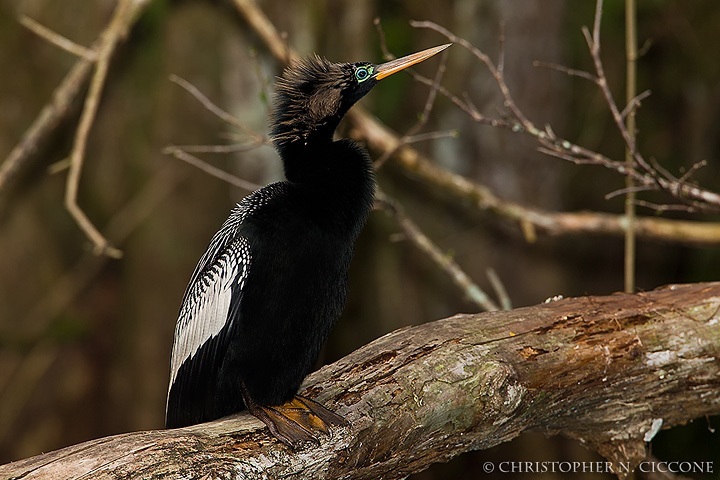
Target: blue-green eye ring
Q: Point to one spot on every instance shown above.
(363, 73)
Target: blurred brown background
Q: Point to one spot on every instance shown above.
(85, 341)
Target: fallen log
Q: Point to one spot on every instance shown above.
(607, 371)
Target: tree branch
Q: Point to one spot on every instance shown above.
(57, 40)
(602, 370)
(56, 110)
(413, 233)
(530, 219)
(109, 39)
(49, 118)
(643, 173)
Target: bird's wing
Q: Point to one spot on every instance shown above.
(212, 298)
(205, 311)
(215, 286)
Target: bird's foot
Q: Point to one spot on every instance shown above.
(298, 421)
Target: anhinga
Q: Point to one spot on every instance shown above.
(273, 280)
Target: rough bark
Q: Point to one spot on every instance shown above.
(598, 369)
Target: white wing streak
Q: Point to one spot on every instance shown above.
(205, 309)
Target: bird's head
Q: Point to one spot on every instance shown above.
(313, 94)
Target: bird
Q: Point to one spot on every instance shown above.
(274, 279)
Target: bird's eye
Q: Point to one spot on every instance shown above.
(363, 73)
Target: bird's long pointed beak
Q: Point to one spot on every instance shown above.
(393, 66)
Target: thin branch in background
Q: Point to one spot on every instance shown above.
(635, 103)
(275, 41)
(631, 100)
(432, 95)
(593, 43)
(59, 166)
(571, 72)
(223, 149)
(662, 170)
(691, 171)
(57, 39)
(265, 84)
(422, 137)
(387, 56)
(110, 38)
(500, 290)
(180, 154)
(49, 118)
(664, 207)
(501, 54)
(54, 112)
(522, 123)
(626, 190)
(411, 134)
(697, 198)
(215, 110)
(125, 14)
(413, 233)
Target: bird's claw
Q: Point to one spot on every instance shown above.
(298, 421)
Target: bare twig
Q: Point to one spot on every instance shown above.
(632, 102)
(51, 115)
(432, 95)
(410, 135)
(387, 56)
(265, 29)
(180, 154)
(501, 54)
(117, 29)
(667, 207)
(413, 233)
(231, 148)
(549, 222)
(652, 176)
(56, 39)
(421, 137)
(572, 72)
(550, 144)
(55, 111)
(500, 290)
(691, 171)
(215, 110)
(626, 190)
(59, 166)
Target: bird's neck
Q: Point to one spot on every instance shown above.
(336, 176)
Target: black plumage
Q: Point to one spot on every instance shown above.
(273, 280)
